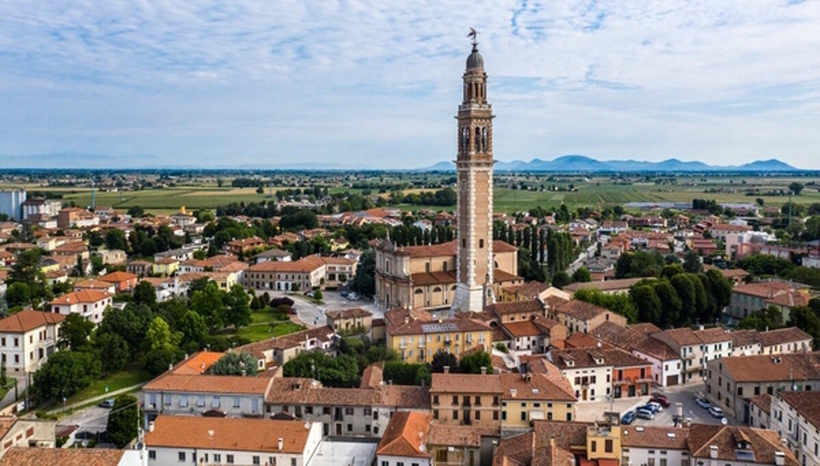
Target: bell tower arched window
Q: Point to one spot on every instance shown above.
(477, 139)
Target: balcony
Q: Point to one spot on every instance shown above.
(448, 342)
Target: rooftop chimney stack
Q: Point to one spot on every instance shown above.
(713, 451)
(446, 369)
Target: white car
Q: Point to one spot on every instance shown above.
(716, 412)
(656, 405)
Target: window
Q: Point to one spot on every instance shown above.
(152, 454)
(523, 415)
(503, 415)
(608, 446)
(200, 401)
(256, 460)
(215, 402)
(236, 402)
(455, 415)
(293, 462)
(594, 446)
(348, 411)
(455, 398)
(478, 415)
(569, 416)
(217, 458)
(350, 427)
(229, 459)
(183, 402)
(368, 411)
(435, 414)
(181, 456)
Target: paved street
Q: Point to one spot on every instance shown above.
(682, 394)
(90, 419)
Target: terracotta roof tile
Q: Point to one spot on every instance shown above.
(514, 307)
(524, 328)
(445, 435)
(27, 319)
(655, 437)
(82, 296)
(231, 434)
(762, 443)
(581, 310)
(18, 456)
(768, 368)
(117, 277)
(405, 435)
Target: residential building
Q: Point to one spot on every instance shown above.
(95, 284)
(165, 267)
(666, 362)
(531, 291)
(461, 445)
(760, 409)
(28, 338)
(795, 416)
(274, 255)
(755, 296)
(696, 348)
(173, 440)
(40, 208)
(75, 217)
(417, 336)
(123, 282)
(304, 274)
(517, 311)
(24, 434)
(245, 245)
(404, 441)
(719, 445)
(509, 401)
(346, 412)
(339, 270)
(580, 316)
(350, 320)
(780, 341)
(188, 389)
(278, 351)
(596, 374)
(113, 256)
(615, 286)
(732, 381)
(91, 304)
(424, 277)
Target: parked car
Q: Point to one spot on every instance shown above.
(658, 407)
(109, 403)
(353, 296)
(703, 403)
(344, 293)
(716, 412)
(628, 417)
(660, 399)
(654, 409)
(644, 413)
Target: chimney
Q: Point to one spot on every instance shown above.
(282, 443)
(779, 458)
(151, 426)
(483, 370)
(446, 369)
(713, 451)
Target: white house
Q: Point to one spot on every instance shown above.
(28, 338)
(174, 440)
(666, 363)
(91, 304)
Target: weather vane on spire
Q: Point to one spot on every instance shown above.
(474, 36)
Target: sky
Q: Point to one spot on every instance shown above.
(376, 84)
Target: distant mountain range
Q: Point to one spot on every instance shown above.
(582, 163)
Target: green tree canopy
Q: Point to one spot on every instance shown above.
(473, 363)
(124, 420)
(75, 332)
(770, 318)
(159, 336)
(341, 371)
(113, 351)
(65, 373)
(442, 360)
(237, 311)
(145, 293)
(582, 275)
(235, 364)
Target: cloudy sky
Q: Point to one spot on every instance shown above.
(376, 83)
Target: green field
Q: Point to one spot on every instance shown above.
(133, 374)
(591, 192)
(268, 324)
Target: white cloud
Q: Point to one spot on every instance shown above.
(376, 83)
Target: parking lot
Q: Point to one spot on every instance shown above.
(681, 394)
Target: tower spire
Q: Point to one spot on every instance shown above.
(474, 166)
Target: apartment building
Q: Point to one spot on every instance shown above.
(583, 317)
(780, 341)
(417, 336)
(755, 296)
(188, 389)
(795, 416)
(595, 374)
(348, 412)
(339, 270)
(303, 274)
(731, 382)
(174, 440)
(348, 320)
(28, 338)
(278, 351)
(466, 399)
(696, 348)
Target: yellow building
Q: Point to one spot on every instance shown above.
(508, 401)
(165, 267)
(604, 442)
(417, 336)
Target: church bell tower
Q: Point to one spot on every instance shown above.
(474, 169)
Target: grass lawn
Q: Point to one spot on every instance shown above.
(133, 374)
(262, 331)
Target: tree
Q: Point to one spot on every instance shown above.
(159, 361)
(243, 364)
(136, 211)
(671, 270)
(685, 288)
(804, 318)
(115, 239)
(341, 371)
(209, 303)
(18, 294)
(619, 303)
(365, 280)
(238, 310)
(796, 188)
(159, 336)
(113, 350)
(317, 295)
(28, 270)
(65, 373)
(124, 420)
(647, 302)
(443, 359)
(474, 362)
(193, 329)
(145, 293)
(75, 332)
(561, 279)
(692, 263)
(131, 323)
(582, 275)
(770, 318)
(670, 302)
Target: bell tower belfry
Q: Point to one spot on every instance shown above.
(474, 169)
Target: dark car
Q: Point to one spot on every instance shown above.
(628, 417)
(660, 399)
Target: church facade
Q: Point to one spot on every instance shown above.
(468, 273)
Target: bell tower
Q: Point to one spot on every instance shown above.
(474, 169)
